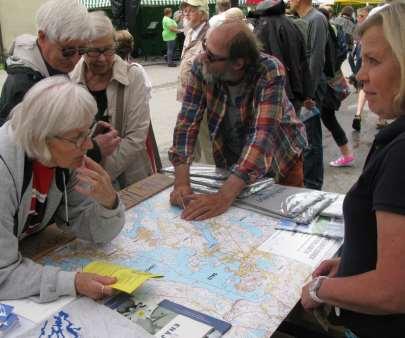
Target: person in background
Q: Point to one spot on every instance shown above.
(337, 90)
(355, 64)
(196, 12)
(124, 46)
(122, 100)
(253, 126)
(63, 31)
(365, 285)
(346, 22)
(221, 6)
(282, 38)
(169, 35)
(46, 177)
(318, 34)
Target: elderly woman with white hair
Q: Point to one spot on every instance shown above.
(45, 176)
(122, 97)
(366, 285)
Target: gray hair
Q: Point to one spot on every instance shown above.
(100, 25)
(63, 20)
(391, 19)
(53, 106)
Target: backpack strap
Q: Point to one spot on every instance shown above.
(119, 113)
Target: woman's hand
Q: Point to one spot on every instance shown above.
(306, 301)
(93, 285)
(96, 183)
(328, 268)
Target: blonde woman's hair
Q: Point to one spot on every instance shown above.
(391, 19)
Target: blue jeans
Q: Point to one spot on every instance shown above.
(313, 155)
(171, 47)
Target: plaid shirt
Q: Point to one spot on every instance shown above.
(274, 137)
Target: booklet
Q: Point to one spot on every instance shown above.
(167, 319)
(128, 279)
(325, 226)
(299, 205)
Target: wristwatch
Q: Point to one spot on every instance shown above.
(314, 286)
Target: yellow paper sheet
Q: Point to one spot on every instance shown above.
(128, 280)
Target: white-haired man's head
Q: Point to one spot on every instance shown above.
(63, 29)
(52, 122)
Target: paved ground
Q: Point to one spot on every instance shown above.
(164, 109)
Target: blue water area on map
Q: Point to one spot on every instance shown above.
(245, 223)
(206, 233)
(208, 273)
(266, 265)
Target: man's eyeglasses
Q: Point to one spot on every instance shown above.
(211, 57)
(80, 140)
(68, 52)
(96, 52)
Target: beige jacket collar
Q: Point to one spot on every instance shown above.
(120, 71)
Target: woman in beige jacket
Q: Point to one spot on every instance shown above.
(122, 99)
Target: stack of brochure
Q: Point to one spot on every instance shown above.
(209, 179)
(167, 319)
(299, 205)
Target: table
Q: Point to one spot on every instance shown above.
(222, 267)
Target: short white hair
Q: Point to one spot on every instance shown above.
(100, 25)
(52, 107)
(62, 20)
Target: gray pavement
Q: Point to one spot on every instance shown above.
(164, 109)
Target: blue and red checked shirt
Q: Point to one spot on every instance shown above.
(274, 137)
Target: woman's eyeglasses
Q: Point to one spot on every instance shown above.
(96, 52)
(211, 57)
(81, 139)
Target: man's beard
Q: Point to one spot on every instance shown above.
(213, 77)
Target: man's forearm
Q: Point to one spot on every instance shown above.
(232, 187)
(182, 174)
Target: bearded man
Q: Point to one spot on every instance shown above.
(252, 125)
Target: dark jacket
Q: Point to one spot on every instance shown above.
(25, 67)
(124, 13)
(283, 39)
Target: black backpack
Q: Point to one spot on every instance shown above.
(336, 50)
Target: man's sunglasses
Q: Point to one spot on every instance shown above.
(211, 57)
(68, 52)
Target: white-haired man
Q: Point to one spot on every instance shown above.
(122, 99)
(62, 33)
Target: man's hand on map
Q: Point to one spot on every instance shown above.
(328, 267)
(200, 206)
(179, 195)
(93, 285)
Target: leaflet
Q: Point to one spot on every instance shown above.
(305, 248)
(128, 280)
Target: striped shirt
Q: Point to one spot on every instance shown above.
(273, 136)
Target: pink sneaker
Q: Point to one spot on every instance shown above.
(343, 161)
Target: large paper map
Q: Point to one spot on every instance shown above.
(212, 266)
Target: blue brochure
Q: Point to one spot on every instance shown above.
(217, 324)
